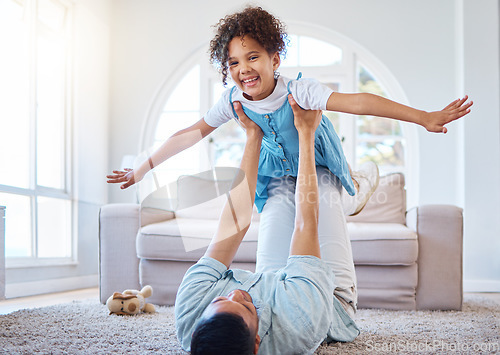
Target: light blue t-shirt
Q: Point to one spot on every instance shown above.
(296, 305)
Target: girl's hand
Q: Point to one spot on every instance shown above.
(436, 121)
(304, 120)
(129, 176)
(252, 129)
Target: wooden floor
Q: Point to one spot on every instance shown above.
(14, 304)
(50, 299)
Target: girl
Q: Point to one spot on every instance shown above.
(248, 46)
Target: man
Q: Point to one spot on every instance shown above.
(291, 311)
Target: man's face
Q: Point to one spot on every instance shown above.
(237, 302)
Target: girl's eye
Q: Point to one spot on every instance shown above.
(254, 57)
(232, 64)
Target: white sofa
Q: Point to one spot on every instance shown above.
(404, 259)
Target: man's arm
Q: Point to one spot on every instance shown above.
(369, 104)
(237, 212)
(305, 234)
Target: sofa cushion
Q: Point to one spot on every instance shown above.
(207, 210)
(383, 244)
(390, 277)
(392, 287)
(397, 299)
(163, 241)
(203, 196)
(387, 204)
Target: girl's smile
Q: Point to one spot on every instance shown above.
(252, 67)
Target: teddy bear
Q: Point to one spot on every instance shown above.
(130, 302)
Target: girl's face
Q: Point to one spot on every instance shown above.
(252, 67)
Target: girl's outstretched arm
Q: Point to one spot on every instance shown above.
(179, 141)
(369, 104)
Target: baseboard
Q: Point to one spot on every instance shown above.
(23, 289)
(481, 286)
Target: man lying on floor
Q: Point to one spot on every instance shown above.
(228, 311)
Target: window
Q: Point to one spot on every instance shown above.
(364, 138)
(181, 110)
(34, 134)
(378, 139)
(344, 68)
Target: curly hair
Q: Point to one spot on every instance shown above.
(255, 22)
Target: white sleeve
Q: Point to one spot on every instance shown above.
(221, 112)
(310, 94)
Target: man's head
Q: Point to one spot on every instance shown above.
(228, 325)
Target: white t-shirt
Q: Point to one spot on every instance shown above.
(310, 94)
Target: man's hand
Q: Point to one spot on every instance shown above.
(251, 128)
(436, 121)
(306, 121)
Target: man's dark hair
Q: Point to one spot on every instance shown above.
(223, 333)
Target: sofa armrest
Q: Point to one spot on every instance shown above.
(440, 249)
(118, 262)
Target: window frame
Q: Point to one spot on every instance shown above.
(34, 191)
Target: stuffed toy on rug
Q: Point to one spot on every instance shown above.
(130, 302)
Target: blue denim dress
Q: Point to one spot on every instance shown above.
(279, 153)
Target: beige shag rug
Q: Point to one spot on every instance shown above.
(86, 328)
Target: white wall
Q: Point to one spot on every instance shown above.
(482, 146)
(437, 50)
